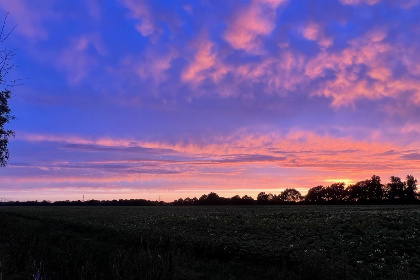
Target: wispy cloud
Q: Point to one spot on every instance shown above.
(29, 17)
(140, 10)
(359, 2)
(290, 150)
(77, 58)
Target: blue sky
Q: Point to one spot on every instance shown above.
(128, 99)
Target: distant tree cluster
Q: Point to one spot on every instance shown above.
(214, 199)
(288, 196)
(363, 192)
(367, 191)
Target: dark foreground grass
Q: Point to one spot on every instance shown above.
(267, 242)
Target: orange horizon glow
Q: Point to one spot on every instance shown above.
(237, 164)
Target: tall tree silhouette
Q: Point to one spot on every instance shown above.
(411, 187)
(374, 189)
(6, 65)
(395, 189)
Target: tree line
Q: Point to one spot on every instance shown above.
(369, 191)
(91, 202)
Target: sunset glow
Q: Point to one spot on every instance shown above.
(168, 99)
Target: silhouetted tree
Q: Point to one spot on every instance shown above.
(194, 201)
(5, 112)
(291, 195)
(276, 199)
(355, 192)
(235, 200)
(213, 198)
(334, 193)
(187, 201)
(374, 189)
(315, 194)
(411, 187)
(262, 198)
(179, 202)
(248, 200)
(369, 190)
(395, 189)
(5, 118)
(202, 200)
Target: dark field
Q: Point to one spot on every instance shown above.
(249, 242)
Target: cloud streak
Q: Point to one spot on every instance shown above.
(236, 153)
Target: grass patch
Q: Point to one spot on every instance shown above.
(271, 242)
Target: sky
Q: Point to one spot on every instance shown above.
(121, 99)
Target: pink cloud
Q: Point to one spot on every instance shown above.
(279, 74)
(94, 7)
(188, 8)
(204, 59)
(248, 25)
(314, 32)
(404, 4)
(359, 2)
(154, 65)
(70, 139)
(28, 16)
(351, 84)
(75, 59)
(140, 10)
(380, 73)
(283, 72)
(408, 4)
(241, 149)
(205, 65)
